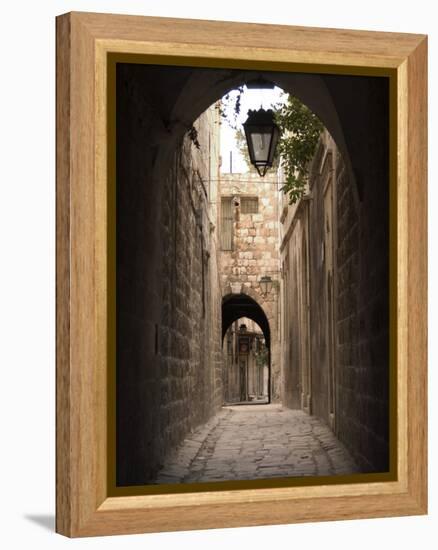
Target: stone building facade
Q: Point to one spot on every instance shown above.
(335, 339)
(168, 347)
(248, 223)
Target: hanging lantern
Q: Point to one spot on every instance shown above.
(265, 284)
(262, 136)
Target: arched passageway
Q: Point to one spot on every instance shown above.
(247, 354)
(329, 98)
(169, 333)
(235, 306)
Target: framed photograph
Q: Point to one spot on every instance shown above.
(241, 274)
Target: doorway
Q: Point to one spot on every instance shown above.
(246, 346)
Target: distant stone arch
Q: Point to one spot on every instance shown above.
(235, 306)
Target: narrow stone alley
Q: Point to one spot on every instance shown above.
(229, 292)
(255, 442)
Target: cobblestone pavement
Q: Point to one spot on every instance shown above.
(254, 442)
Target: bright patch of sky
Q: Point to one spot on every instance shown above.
(250, 99)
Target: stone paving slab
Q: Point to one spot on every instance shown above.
(257, 442)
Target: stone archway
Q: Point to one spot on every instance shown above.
(235, 306)
(203, 88)
(241, 370)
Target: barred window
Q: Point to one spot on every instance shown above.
(249, 205)
(227, 220)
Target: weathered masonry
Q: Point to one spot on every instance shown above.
(249, 251)
(169, 371)
(335, 290)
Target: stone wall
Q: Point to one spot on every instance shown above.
(169, 359)
(324, 272)
(191, 368)
(295, 325)
(254, 252)
(336, 356)
(363, 292)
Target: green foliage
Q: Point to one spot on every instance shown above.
(300, 131)
(262, 356)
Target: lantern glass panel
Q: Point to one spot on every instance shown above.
(261, 136)
(261, 146)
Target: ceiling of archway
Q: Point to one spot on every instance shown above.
(240, 305)
(354, 109)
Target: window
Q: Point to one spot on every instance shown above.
(249, 205)
(227, 220)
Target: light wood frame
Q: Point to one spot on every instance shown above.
(83, 41)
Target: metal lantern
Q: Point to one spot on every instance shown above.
(262, 136)
(266, 284)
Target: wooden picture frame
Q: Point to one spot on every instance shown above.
(84, 40)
